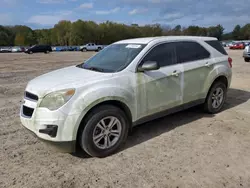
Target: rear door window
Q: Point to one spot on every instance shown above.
(217, 45)
(190, 51)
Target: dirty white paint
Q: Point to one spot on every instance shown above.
(143, 93)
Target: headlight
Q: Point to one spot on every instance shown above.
(57, 99)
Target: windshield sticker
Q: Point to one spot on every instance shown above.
(133, 46)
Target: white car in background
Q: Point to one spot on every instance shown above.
(95, 104)
(246, 54)
(17, 49)
(5, 49)
(91, 47)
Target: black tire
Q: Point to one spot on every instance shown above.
(247, 59)
(99, 49)
(208, 107)
(30, 52)
(84, 50)
(86, 132)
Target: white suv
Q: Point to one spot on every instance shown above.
(96, 103)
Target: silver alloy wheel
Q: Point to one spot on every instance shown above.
(107, 132)
(217, 97)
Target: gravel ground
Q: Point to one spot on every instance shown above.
(186, 149)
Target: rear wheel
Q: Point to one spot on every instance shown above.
(105, 131)
(247, 59)
(216, 98)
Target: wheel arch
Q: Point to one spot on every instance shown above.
(114, 102)
(220, 78)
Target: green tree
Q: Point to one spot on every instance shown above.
(245, 32)
(236, 32)
(6, 36)
(81, 32)
(62, 30)
(19, 39)
(27, 33)
(216, 31)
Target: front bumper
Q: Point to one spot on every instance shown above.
(54, 127)
(65, 147)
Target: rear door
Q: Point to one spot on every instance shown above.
(196, 65)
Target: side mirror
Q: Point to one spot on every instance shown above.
(148, 66)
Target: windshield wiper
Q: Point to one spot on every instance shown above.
(79, 66)
(90, 68)
(94, 69)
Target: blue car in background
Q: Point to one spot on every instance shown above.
(65, 48)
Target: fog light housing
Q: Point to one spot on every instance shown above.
(50, 130)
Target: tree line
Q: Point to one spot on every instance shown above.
(81, 32)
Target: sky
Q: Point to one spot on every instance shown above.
(46, 13)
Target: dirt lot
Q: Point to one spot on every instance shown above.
(187, 149)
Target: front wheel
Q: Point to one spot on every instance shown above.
(105, 131)
(216, 98)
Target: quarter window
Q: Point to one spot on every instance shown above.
(164, 54)
(190, 51)
(217, 45)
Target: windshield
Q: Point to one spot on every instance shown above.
(113, 58)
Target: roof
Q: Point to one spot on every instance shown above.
(163, 38)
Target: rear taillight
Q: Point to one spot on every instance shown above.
(230, 60)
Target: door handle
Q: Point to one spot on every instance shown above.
(207, 64)
(175, 73)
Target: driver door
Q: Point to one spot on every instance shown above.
(161, 88)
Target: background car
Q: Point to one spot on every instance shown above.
(5, 49)
(91, 47)
(238, 45)
(39, 48)
(246, 54)
(18, 49)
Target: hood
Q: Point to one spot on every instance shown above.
(69, 77)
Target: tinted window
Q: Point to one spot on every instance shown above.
(164, 54)
(190, 51)
(217, 45)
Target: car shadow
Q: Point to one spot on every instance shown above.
(149, 130)
(152, 129)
